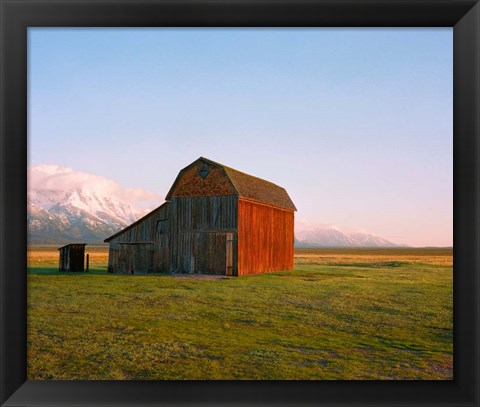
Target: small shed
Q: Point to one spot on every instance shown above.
(72, 257)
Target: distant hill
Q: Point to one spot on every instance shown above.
(329, 236)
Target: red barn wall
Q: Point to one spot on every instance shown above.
(265, 238)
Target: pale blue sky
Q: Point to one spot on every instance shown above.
(356, 124)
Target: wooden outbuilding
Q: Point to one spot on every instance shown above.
(72, 257)
(216, 220)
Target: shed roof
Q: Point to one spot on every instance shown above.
(72, 244)
(135, 223)
(249, 187)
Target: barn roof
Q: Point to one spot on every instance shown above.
(249, 187)
(135, 223)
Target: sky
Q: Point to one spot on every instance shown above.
(356, 124)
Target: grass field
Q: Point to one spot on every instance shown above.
(342, 314)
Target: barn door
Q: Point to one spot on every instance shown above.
(229, 254)
(162, 261)
(138, 261)
(125, 259)
(208, 252)
(129, 260)
(142, 258)
(186, 256)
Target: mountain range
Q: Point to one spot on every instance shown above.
(65, 206)
(330, 236)
(78, 215)
(82, 215)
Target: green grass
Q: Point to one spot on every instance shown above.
(362, 319)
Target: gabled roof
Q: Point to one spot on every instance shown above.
(135, 223)
(248, 186)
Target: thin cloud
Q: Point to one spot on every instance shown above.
(55, 178)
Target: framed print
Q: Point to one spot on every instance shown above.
(167, 172)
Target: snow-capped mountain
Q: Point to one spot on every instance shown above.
(68, 206)
(329, 236)
(81, 214)
(112, 212)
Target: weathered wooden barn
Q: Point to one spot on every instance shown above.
(216, 220)
(72, 257)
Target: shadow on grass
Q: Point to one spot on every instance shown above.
(388, 264)
(46, 271)
(53, 271)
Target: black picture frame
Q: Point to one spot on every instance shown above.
(18, 15)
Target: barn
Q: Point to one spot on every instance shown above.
(216, 220)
